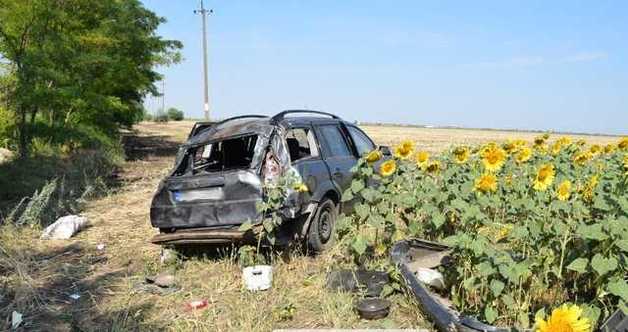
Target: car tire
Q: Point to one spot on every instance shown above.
(320, 234)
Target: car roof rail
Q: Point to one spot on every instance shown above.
(241, 117)
(281, 115)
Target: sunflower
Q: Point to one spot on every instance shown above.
(623, 143)
(565, 140)
(493, 157)
(461, 154)
(556, 147)
(524, 154)
(588, 190)
(486, 183)
(581, 142)
(373, 156)
(387, 168)
(544, 177)
(564, 318)
(582, 157)
(404, 150)
(564, 190)
(433, 167)
(301, 187)
(626, 164)
(510, 146)
(545, 136)
(595, 149)
(610, 148)
(539, 140)
(422, 158)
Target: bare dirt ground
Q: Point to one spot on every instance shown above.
(107, 280)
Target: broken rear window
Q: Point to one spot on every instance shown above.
(233, 153)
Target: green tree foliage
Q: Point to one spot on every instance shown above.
(175, 114)
(78, 67)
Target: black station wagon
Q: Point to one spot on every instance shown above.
(219, 173)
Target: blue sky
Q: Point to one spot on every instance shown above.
(559, 65)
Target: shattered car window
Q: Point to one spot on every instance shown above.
(301, 144)
(335, 141)
(234, 153)
(362, 143)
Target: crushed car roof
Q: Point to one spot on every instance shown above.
(256, 124)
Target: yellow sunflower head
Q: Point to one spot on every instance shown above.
(565, 140)
(539, 140)
(581, 142)
(387, 168)
(566, 318)
(610, 148)
(433, 167)
(373, 156)
(588, 190)
(301, 187)
(564, 190)
(556, 147)
(623, 143)
(544, 177)
(582, 157)
(493, 157)
(486, 183)
(510, 146)
(524, 154)
(422, 158)
(595, 149)
(404, 150)
(461, 154)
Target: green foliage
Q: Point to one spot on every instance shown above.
(161, 116)
(175, 114)
(517, 249)
(78, 64)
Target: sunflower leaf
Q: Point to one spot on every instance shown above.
(578, 265)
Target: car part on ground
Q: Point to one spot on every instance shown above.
(257, 277)
(373, 308)
(371, 282)
(407, 254)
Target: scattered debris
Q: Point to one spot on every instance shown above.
(353, 281)
(197, 304)
(5, 155)
(373, 308)
(16, 319)
(75, 296)
(163, 280)
(100, 246)
(64, 228)
(430, 277)
(258, 277)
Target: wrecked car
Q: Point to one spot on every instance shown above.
(219, 173)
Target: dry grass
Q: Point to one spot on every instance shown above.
(37, 277)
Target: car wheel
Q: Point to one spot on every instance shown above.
(321, 233)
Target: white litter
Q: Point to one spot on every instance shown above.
(100, 246)
(64, 227)
(258, 277)
(430, 277)
(16, 319)
(75, 296)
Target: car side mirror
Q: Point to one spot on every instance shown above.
(385, 150)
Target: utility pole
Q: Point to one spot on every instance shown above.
(163, 95)
(204, 12)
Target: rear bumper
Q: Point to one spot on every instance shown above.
(204, 236)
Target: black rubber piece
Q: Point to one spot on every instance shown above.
(320, 235)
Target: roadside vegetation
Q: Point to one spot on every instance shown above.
(533, 227)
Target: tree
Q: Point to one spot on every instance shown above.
(175, 114)
(79, 65)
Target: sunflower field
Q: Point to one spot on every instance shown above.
(534, 227)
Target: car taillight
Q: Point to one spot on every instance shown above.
(270, 171)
